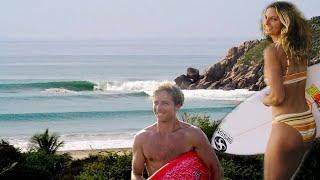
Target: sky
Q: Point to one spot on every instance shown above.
(99, 19)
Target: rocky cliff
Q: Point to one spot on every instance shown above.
(242, 67)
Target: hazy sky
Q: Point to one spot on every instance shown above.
(69, 19)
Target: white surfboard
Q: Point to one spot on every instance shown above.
(245, 131)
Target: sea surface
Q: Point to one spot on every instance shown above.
(95, 94)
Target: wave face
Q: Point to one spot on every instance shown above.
(66, 85)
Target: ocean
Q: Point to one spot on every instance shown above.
(95, 94)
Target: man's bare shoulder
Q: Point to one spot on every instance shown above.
(144, 133)
(196, 136)
(191, 129)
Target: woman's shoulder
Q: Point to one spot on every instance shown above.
(270, 52)
(274, 50)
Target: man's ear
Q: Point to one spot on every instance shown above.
(177, 107)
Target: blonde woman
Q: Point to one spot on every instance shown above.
(293, 125)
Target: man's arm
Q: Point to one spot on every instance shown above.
(207, 154)
(138, 159)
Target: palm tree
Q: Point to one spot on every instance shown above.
(46, 142)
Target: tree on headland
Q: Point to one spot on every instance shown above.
(46, 142)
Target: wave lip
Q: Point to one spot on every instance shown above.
(126, 86)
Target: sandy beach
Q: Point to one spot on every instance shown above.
(81, 154)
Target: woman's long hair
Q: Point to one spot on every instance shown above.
(295, 36)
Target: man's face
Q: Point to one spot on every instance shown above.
(163, 107)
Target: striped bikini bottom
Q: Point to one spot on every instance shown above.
(304, 122)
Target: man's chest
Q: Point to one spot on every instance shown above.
(165, 149)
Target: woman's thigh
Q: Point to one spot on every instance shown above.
(284, 151)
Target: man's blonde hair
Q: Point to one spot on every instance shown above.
(173, 90)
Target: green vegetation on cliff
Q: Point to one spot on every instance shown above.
(315, 29)
(255, 54)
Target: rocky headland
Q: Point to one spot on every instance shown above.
(242, 67)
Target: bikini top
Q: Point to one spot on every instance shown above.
(292, 78)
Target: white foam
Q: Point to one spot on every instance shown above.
(142, 86)
(149, 86)
(82, 141)
(97, 144)
(58, 91)
(237, 94)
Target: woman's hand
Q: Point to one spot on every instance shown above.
(265, 99)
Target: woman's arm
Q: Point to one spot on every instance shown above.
(273, 72)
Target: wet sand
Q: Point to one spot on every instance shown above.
(81, 154)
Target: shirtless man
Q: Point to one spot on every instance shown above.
(168, 138)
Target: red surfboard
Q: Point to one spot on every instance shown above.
(187, 166)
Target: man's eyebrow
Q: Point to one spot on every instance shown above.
(163, 101)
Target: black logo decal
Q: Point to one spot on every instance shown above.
(220, 143)
(196, 175)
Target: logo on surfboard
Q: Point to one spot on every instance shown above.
(314, 92)
(220, 143)
(225, 136)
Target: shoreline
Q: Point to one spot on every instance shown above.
(82, 154)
